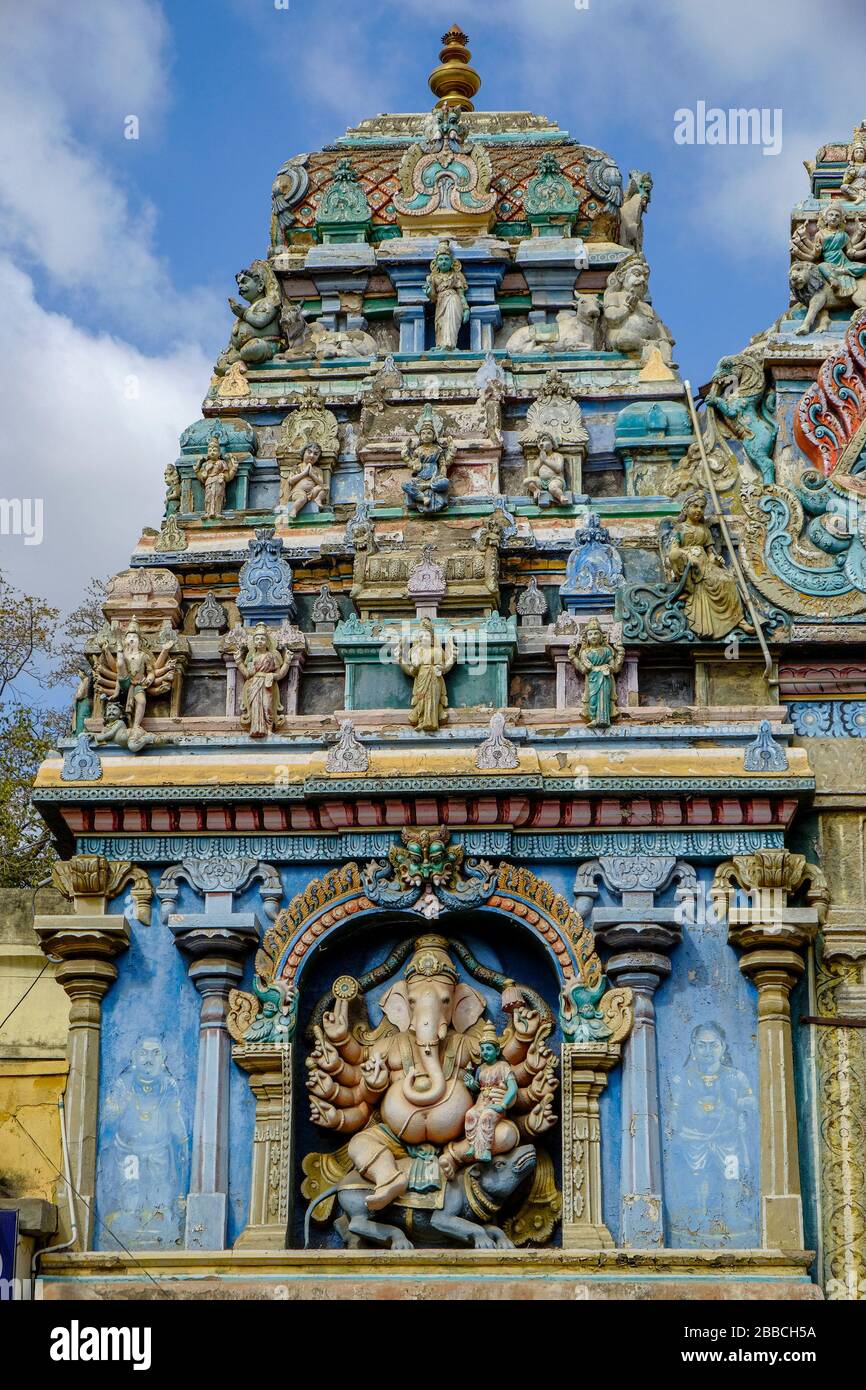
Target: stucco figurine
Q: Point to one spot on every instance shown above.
(446, 287)
(599, 660)
(495, 1087)
(837, 257)
(263, 665)
(635, 204)
(632, 324)
(214, 473)
(257, 334)
(306, 484)
(546, 479)
(132, 673)
(401, 1091)
(713, 605)
(429, 456)
(428, 663)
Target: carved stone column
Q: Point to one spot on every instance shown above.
(772, 934)
(87, 942)
(269, 1067)
(641, 935)
(585, 1069)
(216, 940)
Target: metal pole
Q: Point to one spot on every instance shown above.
(735, 561)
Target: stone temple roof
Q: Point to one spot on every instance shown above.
(515, 142)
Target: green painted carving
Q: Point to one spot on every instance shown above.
(550, 200)
(343, 212)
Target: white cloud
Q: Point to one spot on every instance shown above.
(65, 70)
(75, 436)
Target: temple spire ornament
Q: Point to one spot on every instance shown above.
(454, 83)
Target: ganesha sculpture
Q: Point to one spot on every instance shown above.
(403, 1091)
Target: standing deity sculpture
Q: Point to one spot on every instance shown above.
(428, 663)
(257, 334)
(82, 704)
(214, 473)
(263, 664)
(599, 660)
(713, 606)
(446, 287)
(306, 484)
(632, 324)
(172, 489)
(429, 456)
(837, 257)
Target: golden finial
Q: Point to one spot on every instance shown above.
(455, 83)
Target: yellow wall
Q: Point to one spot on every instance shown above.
(33, 1065)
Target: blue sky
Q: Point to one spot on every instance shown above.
(116, 255)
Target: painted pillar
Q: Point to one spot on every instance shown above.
(641, 935)
(772, 933)
(840, 1048)
(269, 1067)
(217, 942)
(87, 942)
(585, 1068)
(86, 946)
(642, 1187)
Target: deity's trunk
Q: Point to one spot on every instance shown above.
(426, 1090)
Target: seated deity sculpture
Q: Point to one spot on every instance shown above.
(306, 484)
(713, 605)
(835, 259)
(546, 473)
(423, 1097)
(257, 334)
(429, 457)
(631, 323)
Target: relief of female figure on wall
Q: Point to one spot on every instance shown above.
(713, 605)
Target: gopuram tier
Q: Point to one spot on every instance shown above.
(463, 806)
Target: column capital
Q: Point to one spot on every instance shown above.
(86, 946)
(90, 880)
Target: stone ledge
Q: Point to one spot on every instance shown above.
(435, 1275)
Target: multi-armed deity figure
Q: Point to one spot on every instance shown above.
(446, 287)
(599, 660)
(131, 673)
(263, 665)
(214, 473)
(713, 605)
(429, 661)
(837, 256)
(429, 456)
(403, 1091)
(306, 484)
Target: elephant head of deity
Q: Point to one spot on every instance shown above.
(427, 1005)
